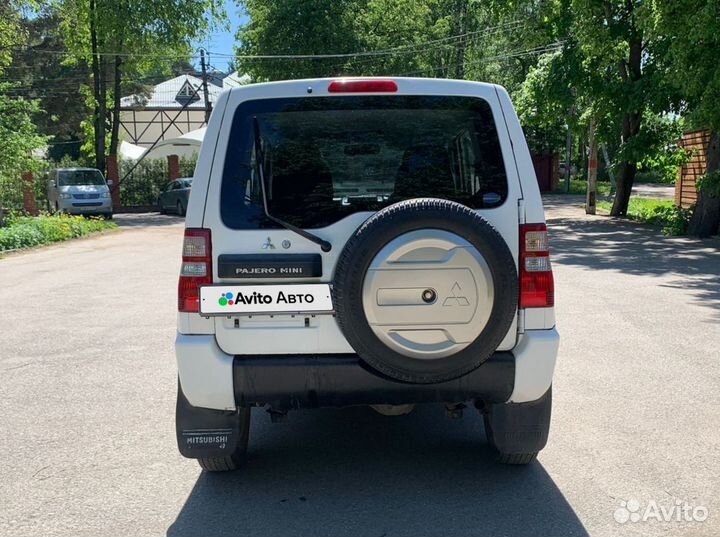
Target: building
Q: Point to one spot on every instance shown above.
(171, 109)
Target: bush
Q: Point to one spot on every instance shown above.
(672, 219)
(144, 184)
(710, 183)
(150, 177)
(655, 176)
(27, 231)
(187, 166)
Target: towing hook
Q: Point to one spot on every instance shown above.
(454, 412)
(277, 416)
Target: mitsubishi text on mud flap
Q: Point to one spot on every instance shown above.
(365, 241)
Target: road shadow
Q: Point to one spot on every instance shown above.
(624, 246)
(349, 472)
(147, 219)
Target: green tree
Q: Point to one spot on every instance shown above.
(434, 38)
(18, 135)
(297, 27)
(41, 73)
(607, 73)
(690, 29)
(124, 40)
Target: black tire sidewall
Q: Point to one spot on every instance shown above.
(378, 231)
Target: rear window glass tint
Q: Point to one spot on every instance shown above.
(329, 157)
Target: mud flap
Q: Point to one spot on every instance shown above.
(204, 432)
(517, 428)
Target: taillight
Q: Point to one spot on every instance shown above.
(537, 288)
(362, 86)
(196, 268)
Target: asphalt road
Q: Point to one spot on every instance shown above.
(87, 388)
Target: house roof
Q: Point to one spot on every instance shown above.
(174, 93)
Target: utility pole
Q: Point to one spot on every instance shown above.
(203, 67)
(568, 156)
(569, 144)
(592, 172)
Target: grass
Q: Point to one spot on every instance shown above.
(27, 231)
(579, 187)
(658, 212)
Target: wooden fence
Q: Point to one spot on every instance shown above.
(696, 142)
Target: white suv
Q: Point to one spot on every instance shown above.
(365, 241)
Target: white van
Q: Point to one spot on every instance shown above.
(79, 191)
(367, 241)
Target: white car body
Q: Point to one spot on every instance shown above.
(208, 346)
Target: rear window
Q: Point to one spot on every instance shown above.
(80, 177)
(329, 157)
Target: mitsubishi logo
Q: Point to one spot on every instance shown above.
(268, 245)
(456, 298)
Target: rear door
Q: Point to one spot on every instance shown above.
(354, 148)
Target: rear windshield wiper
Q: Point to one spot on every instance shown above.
(325, 246)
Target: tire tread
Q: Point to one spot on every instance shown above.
(516, 459)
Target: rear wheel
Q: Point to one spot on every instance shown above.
(237, 458)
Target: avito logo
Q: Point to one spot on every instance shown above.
(226, 299)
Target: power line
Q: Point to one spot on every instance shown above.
(402, 49)
(474, 36)
(551, 47)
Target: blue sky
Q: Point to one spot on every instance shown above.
(223, 41)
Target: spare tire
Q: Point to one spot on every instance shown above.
(425, 290)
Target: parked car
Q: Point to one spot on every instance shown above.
(79, 191)
(175, 196)
(370, 241)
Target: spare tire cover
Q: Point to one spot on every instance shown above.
(425, 290)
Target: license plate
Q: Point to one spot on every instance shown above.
(258, 299)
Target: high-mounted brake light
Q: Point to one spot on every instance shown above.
(537, 287)
(362, 86)
(196, 268)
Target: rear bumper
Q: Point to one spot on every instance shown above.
(212, 379)
(286, 382)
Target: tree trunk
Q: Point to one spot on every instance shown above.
(99, 108)
(705, 220)
(631, 73)
(624, 187)
(631, 127)
(460, 16)
(102, 139)
(115, 127)
(591, 197)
